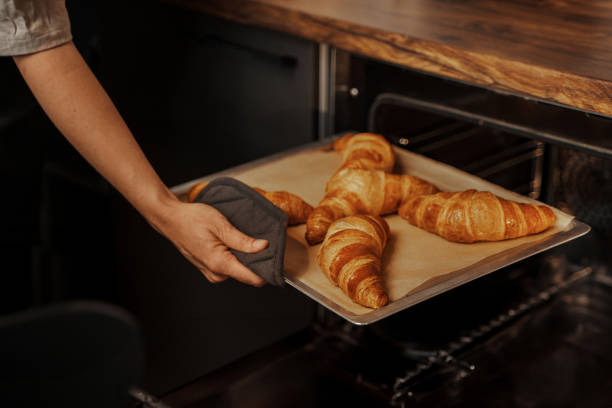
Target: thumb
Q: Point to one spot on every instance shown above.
(236, 239)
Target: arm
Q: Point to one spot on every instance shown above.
(77, 104)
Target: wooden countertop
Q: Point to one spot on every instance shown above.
(559, 51)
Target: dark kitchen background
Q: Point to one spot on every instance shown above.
(203, 94)
(200, 95)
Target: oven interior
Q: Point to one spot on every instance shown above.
(537, 333)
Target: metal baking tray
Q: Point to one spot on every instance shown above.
(575, 229)
(572, 230)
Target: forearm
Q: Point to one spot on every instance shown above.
(79, 107)
(77, 104)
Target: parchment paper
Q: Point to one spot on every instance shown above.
(413, 259)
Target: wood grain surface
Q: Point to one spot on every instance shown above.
(559, 51)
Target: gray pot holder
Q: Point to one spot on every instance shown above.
(255, 216)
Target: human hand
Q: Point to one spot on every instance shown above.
(101, 136)
(202, 234)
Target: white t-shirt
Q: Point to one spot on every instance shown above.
(28, 26)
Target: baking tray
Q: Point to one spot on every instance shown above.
(411, 275)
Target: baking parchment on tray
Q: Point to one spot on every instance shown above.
(416, 264)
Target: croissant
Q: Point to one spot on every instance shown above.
(471, 216)
(297, 209)
(362, 192)
(365, 151)
(195, 190)
(350, 257)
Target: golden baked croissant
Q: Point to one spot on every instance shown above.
(350, 257)
(354, 191)
(365, 151)
(297, 209)
(195, 190)
(471, 216)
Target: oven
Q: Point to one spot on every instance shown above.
(535, 333)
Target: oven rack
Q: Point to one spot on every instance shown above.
(514, 162)
(402, 387)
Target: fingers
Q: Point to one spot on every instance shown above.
(235, 239)
(203, 235)
(222, 264)
(211, 276)
(224, 260)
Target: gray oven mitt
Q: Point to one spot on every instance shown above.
(255, 216)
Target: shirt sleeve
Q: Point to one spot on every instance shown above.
(28, 26)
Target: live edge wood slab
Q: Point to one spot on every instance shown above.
(558, 51)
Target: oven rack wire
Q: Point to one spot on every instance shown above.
(402, 387)
(500, 165)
